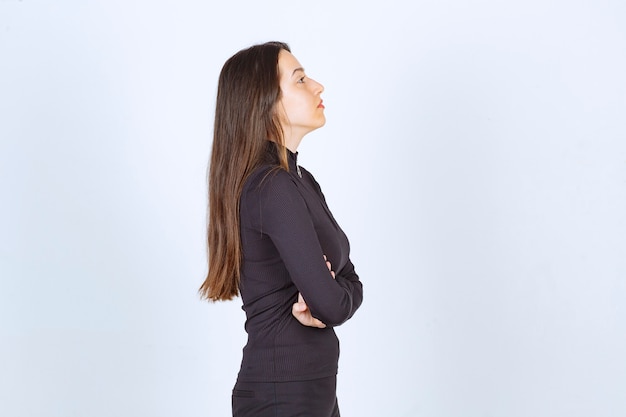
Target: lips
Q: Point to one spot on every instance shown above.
(321, 106)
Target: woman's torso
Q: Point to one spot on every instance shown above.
(277, 209)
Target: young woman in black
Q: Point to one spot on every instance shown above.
(273, 239)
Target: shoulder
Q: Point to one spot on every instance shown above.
(269, 198)
(269, 181)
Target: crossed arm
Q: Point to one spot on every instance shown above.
(284, 216)
(301, 311)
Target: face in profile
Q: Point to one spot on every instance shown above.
(300, 106)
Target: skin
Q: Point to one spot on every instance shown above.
(300, 111)
(300, 108)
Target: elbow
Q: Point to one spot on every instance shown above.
(334, 318)
(335, 314)
(336, 310)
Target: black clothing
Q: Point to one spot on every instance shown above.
(313, 398)
(286, 229)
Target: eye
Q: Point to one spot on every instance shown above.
(301, 80)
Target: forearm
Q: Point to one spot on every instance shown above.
(346, 299)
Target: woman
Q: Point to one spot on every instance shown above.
(272, 238)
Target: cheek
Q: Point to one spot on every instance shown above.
(295, 106)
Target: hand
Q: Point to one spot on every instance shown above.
(332, 273)
(301, 312)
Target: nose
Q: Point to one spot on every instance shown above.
(318, 88)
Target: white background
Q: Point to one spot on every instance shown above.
(475, 154)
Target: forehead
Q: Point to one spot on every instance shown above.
(287, 63)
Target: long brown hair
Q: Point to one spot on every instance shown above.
(245, 119)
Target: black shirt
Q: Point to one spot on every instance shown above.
(286, 229)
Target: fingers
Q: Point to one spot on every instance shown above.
(318, 324)
(330, 268)
(302, 313)
(300, 306)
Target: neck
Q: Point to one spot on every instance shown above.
(292, 137)
(293, 143)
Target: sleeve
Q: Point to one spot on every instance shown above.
(349, 280)
(285, 218)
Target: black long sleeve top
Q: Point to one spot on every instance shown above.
(286, 229)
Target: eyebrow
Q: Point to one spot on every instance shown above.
(296, 70)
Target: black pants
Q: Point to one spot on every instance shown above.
(315, 398)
